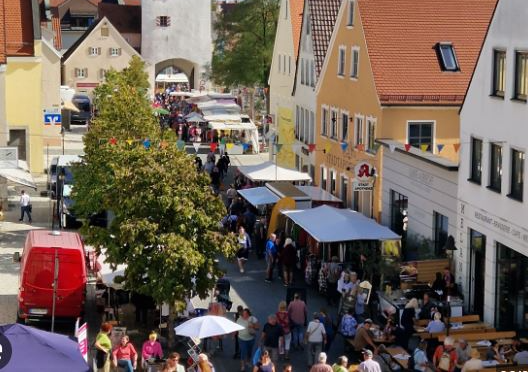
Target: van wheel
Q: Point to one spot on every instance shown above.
(20, 320)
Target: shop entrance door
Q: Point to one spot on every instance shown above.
(477, 271)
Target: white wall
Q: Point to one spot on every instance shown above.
(429, 188)
(188, 36)
(304, 94)
(493, 119)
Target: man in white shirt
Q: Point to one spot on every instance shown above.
(316, 338)
(369, 365)
(25, 206)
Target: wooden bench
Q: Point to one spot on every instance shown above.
(427, 269)
(478, 336)
(457, 332)
(456, 319)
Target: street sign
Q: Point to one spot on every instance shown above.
(52, 119)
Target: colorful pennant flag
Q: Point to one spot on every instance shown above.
(344, 146)
(213, 146)
(424, 147)
(196, 146)
(113, 141)
(311, 147)
(440, 147)
(392, 147)
(456, 146)
(360, 147)
(229, 146)
(164, 144)
(129, 141)
(146, 143)
(180, 144)
(328, 147)
(278, 147)
(407, 147)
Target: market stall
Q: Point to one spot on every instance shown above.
(259, 196)
(269, 171)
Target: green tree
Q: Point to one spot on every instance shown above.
(244, 43)
(165, 227)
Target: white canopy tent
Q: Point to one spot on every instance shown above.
(18, 174)
(172, 78)
(328, 225)
(258, 196)
(269, 171)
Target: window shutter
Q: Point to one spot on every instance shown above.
(168, 21)
(85, 70)
(99, 51)
(75, 72)
(158, 21)
(118, 51)
(90, 51)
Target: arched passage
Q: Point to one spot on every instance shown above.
(177, 70)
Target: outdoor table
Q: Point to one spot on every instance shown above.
(400, 355)
(154, 366)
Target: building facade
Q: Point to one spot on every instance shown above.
(177, 35)
(101, 48)
(282, 76)
(492, 210)
(317, 24)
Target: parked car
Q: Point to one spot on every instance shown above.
(84, 105)
(52, 257)
(61, 165)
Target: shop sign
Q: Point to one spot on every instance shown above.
(363, 177)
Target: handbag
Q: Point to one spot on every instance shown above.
(30, 208)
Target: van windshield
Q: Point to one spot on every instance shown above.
(40, 271)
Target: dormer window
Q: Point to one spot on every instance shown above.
(447, 57)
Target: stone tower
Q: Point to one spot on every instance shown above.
(177, 34)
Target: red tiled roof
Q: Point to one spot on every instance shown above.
(401, 36)
(126, 19)
(296, 14)
(323, 14)
(18, 23)
(2, 33)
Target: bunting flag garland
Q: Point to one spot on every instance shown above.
(196, 146)
(311, 147)
(146, 143)
(180, 144)
(229, 146)
(392, 147)
(424, 147)
(164, 144)
(328, 147)
(278, 147)
(456, 146)
(440, 147)
(112, 141)
(213, 146)
(344, 146)
(360, 147)
(407, 147)
(129, 142)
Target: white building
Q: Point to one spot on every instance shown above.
(492, 209)
(282, 77)
(420, 192)
(176, 37)
(319, 18)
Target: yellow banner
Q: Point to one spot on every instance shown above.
(286, 130)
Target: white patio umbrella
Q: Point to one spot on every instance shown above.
(207, 326)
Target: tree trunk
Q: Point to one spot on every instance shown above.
(171, 340)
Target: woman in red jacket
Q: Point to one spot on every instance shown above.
(125, 355)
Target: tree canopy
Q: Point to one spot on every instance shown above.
(165, 227)
(244, 43)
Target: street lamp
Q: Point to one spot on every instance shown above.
(450, 248)
(58, 192)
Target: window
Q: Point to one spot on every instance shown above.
(81, 73)
(358, 130)
(370, 143)
(17, 138)
(105, 32)
(354, 68)
(521, 75)
(333, 123)
(323, 178)
(286, 10)
(341, 61)
(440, 232)
(163, 21)
(344, 190)
(307, 78)
(284, 64)
(306, 131)
(421, 134)
(399, 218)
(289, 65)
(297, 121)
(344, 126)
(115, 52)
(312, 73)
(302, 71)
(333, 177)
(94, 51)
(311, 138)
(517, 175)
(301, 129)
(324, 121)
(350, 17)
(102, 73)
(476, 160)
(447, 57)
(495, 167)
(499, 73)
(308, 26)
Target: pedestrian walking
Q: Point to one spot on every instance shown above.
(341, 364)
(272, 337)
(204, 365)
(238, 314)
(297, 312)
(261, 231)
(271, 257)
(287, 368)
(283, 319)
(246, 337)
(321, 365)
(25, 206)
(328, 323)
(289, 259)
(315, 338)
(103, 346)
(244, 243)
(172, 364)
(265, 364)
(347, 328)
(369, 365)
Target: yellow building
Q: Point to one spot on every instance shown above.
(385, 77)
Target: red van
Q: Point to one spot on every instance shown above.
(47, 256)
